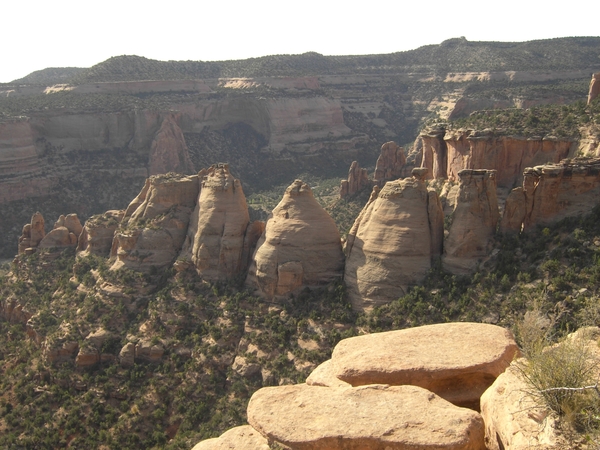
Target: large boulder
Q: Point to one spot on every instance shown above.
(375, 417)
(392, 242)
(243, 437)
(474, 221)
(457, 361)
(300, 246)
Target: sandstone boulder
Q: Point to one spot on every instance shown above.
(300, 246)
(127, 355)
(367, 418)
(238, 438)
(146, 351)
(457, 361)
(435, 152)
(71, 222)
(87, 356)
(323, 376)
(474, 222)
(389, 247)
(97, 234)
(32, 233)
(390, 163)
(169, 152)
(59, 237)
(358, 179)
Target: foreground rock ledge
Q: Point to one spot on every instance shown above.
(244, 437)
(375, 417)
(457, 361)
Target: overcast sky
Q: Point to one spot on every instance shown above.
(39, 34)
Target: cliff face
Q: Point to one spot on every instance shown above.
(392, 242)
(446, 154)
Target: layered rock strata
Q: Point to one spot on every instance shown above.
(98, 232)
(358, 179)
(219, 239)
(154, 225)
(552, 192)
(390, 163)
(392, 242)
(299, 247)
(374, 417)
(474, 221)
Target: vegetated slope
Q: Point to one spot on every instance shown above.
(200, 388)
(452, 55)
(50, 76)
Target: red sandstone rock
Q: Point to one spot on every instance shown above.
(390, 163)
(169, 152)
(358, 179)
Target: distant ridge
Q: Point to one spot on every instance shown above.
(51, 75)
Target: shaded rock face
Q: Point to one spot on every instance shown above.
(300, 246)
(32, 233)
(243, 437)
(374, 417)
(65, 233)
(98, 232)
(390, 163)
(392, 242)
(552, 192)
(594, 88)
(457, 361)
(219, 240)
(445, 154)
(358, 179)
(154, 226)
(474, 222)
(168, 152)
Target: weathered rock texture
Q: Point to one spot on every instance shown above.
(65, 233)
(168, 152)
(594, 87)
(98, 232)
(244, 437)
(552, 192)
(154, 226)
(457, 361)
(219, 239)
(474, 222)
(32, 233)
(324, 375)
(390, 163)
(300, 246)
(375, 417)
(392, 242)
(358, 179)
(445, 154)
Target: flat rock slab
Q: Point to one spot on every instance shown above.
(244, 437)
(375, 417)
(458, 361)
(323, 376)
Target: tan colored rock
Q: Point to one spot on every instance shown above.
(594, 88)
(169, 152)
(323, 376)
(244, 368)
(474, 222)
(389, 247)
(148, 352)
(127, 355)
(59, 237)
(32, 233)
(98, 233)
(238, 438)
(71, 222)
(375, 417)
(154, 226)
(358, 179)
(457, 361)
(435, 152)
(390, 163)
(515, 210)
(87, 356)
(300, 246)
(216, 239)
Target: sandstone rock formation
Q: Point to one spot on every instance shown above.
(435, 152)
(219, 239)
(367, 417)
(457, 361)
(594, 88)
(552, 192)
(392, 242)
(168, 152)
(324, 375)
(358, 179)
(32, 233)
(154, 226)
(390, 163)
(65, 233)
(474, 222)
(98, 232)
(243, 437)
(300, 246)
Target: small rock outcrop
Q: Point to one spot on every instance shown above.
(299, 247)
(65, 233)
(243, 437)
(371, 417)
(392, 242)
(154, 226)
(98, 232)
(169, 152)
(390, 163)
(594, 88)
(219, 239)
(474, 221)
(32, 234)
(358, 179)
(435, 152)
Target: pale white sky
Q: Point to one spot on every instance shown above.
(37, 34)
